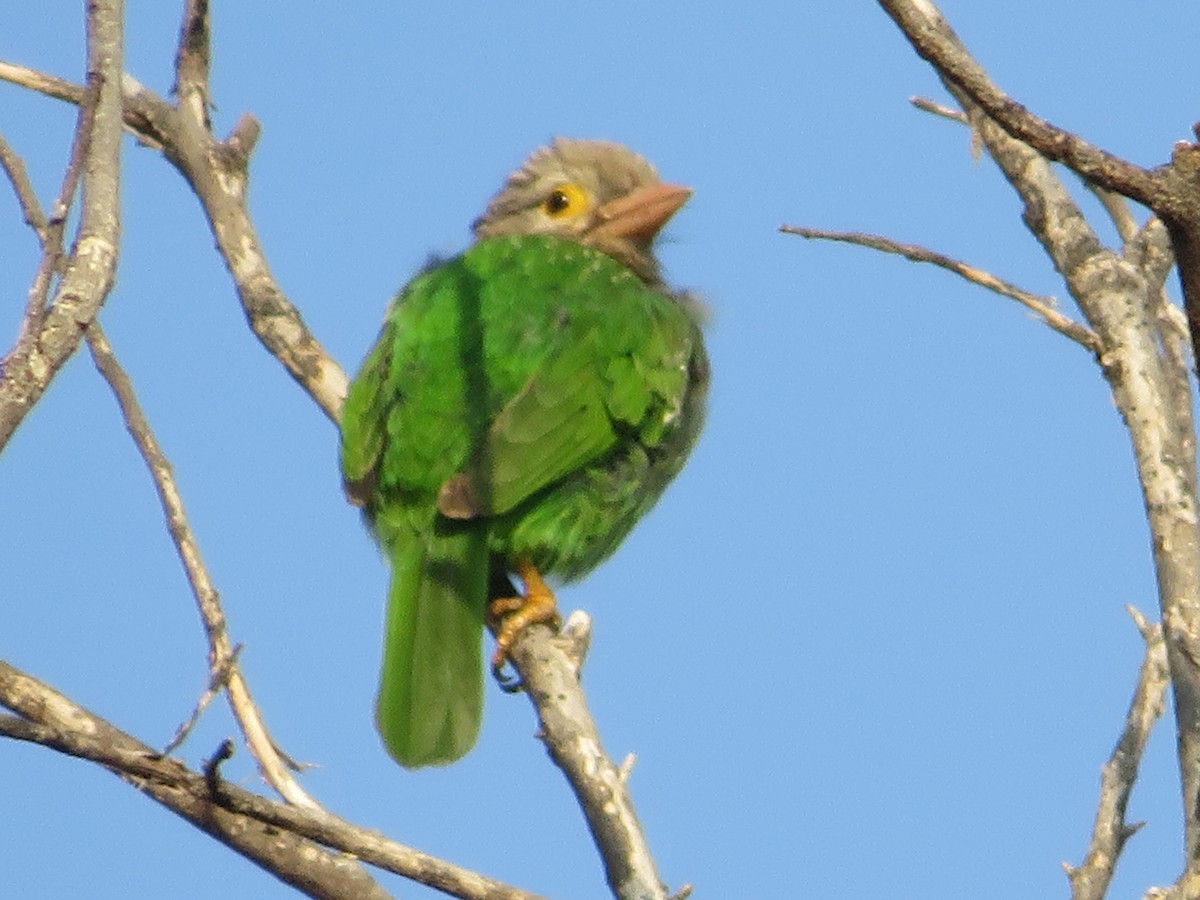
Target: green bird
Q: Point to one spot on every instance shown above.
(525, 404)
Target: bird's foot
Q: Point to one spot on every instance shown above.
(509, 616)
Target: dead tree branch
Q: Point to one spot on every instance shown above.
(284, 839)
(222, 664)
(1172, 190)
(51, 335)
(1090, 880)
(1120, 295)
(549, 666)
(1044, 307)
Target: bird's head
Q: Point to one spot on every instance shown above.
(594, 192)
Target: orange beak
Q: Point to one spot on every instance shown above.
(639, 216)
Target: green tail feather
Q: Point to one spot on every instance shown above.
(431, 688)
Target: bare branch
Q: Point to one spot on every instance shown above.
(1043, 306)
(549, 671)
(931, 36)
(192, 61)
(1119, 301)
(1171, 190)
(1090, 880)
(50, 718)
(221, 658)
(1121, 297)
(40, 352)
(217, 173)
(14, 169)
(281, 838)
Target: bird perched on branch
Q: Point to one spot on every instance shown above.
(525, 404)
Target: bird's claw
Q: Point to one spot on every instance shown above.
(509, 616)
(510, 684)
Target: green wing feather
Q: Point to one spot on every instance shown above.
(555, 425)
(611, 367)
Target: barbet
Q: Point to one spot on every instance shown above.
(525, 404)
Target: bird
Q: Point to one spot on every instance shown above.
(525, 403)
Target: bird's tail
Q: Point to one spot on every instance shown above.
(431, 688)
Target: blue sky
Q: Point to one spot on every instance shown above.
(871, 643)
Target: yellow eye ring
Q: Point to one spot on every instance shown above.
(567, 199)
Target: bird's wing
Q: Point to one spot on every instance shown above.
(556, 424)
(364, 422)
(612, 376)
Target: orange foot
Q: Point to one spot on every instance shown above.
(509, 616)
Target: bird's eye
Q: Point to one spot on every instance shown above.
(564, 200)
(558, 203)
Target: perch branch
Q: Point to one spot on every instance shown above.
(549, 668)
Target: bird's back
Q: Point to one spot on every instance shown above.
(470, 340)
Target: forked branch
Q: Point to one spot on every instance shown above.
(51, 334)
(1121, 297)
(1090, 880)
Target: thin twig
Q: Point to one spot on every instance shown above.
(221, 662)
(218, 681)
(14, 168)
(1043, 306)
(1114, 203)
(925, 104)
(41, 82)
(1091, 879)
(48, 232)
(1118, 211)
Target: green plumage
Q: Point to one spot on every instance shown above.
(558, 393)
